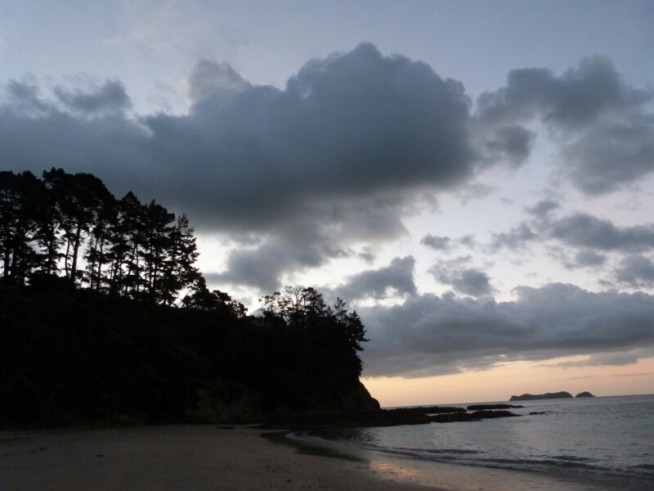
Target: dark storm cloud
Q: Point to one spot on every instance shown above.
(394, 279)
(349, 141)
(352, 126)
(343, 149)
(604, 121)
(429, 335)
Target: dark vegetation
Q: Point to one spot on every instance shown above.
(105, 318)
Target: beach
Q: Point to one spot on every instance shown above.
(206, 457)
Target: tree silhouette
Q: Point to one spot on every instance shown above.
(71, 224)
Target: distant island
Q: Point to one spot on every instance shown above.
(549, 395)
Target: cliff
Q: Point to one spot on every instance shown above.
(71, 356)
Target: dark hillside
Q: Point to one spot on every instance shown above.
(71, 356)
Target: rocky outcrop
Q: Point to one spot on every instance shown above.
(584, 394)
(548, 395)
(485, 407)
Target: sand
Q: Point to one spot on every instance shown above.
(173, 458)
(188, 457)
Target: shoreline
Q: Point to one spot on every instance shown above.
(207, 457)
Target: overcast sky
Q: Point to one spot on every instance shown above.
(476, 178)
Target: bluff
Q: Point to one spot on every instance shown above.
(74, 356)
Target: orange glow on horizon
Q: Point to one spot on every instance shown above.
(501, 382)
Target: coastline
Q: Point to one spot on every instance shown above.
(206, 457)
(167, 458)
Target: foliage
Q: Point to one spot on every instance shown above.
(51, 226)
(88, 330)
(72, 355)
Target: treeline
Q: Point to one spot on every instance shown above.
(71, 356)
(71, 226)
(90, 329)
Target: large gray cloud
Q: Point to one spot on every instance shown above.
(344, 148)
(341, 154)
(351, 126)
(429, 335)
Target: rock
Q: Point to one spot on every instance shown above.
(548, 395)
(483, 407)
(442, 409)
(493, 414)
(584, 394)
(474, 416)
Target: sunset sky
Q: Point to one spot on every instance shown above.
(475, 178)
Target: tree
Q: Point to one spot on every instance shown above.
(202, 299)
(81, 198)
(179, 268)
(334, 327)
(18, 201)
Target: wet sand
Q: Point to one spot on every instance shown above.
(188, 457)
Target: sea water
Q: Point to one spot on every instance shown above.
(605, 442)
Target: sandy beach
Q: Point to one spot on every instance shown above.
(188, 457)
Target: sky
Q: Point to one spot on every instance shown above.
(475, 178)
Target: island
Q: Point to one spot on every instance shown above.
(548, 395)
(584, 394)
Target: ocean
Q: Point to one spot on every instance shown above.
(603, 443)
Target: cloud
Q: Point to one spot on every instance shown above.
(588, 233)
(109, 98)
(636, 271)
(583, 230)
(588, 259)
(391, 280)
(439, 243)
(611, 155)
(469, 281)
(335, 160)
(345, 148)
(543, 209)
(605, 122)
(216, 80)
(446, 244)
(515, 238)
(429, 335)
(574, 99)
(511, 143)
